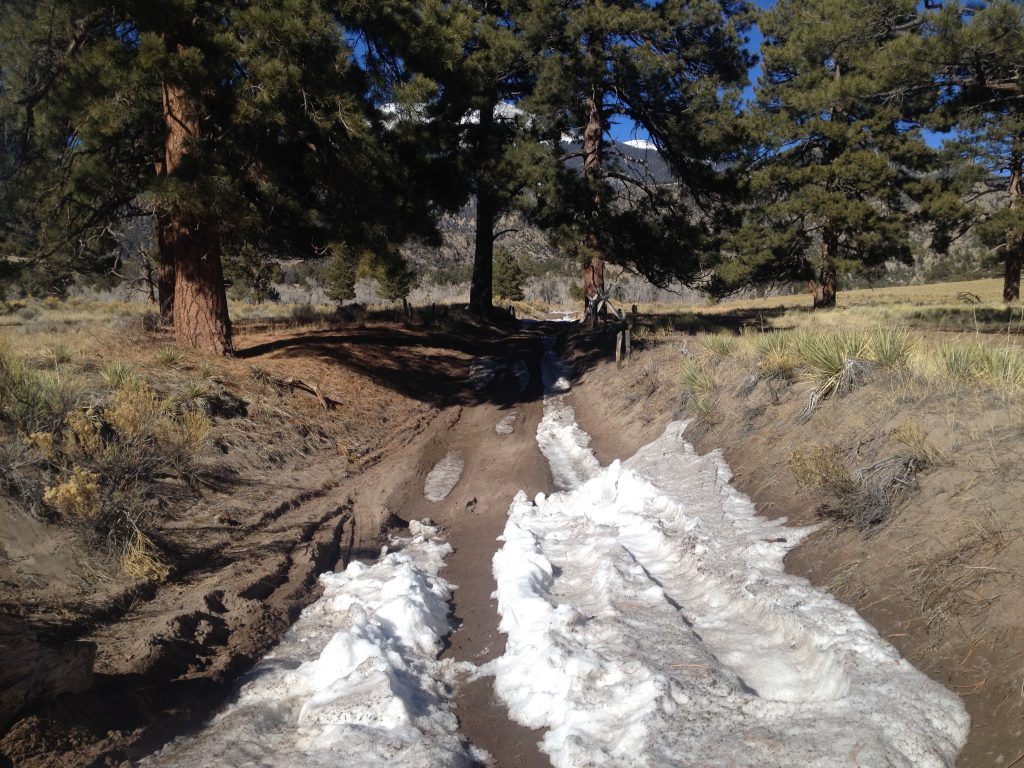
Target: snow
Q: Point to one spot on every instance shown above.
(507, 425)
(443, 477)
(640, 144)
(355, 681)
(649, 621)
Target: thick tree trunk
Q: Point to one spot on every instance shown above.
(189, 245)
(1014, 257)
(481, 290)
(593, 266)
(165, 277)
(200, 302)
(824, 288)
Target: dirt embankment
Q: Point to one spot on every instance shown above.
(939, 574)
(295, 481)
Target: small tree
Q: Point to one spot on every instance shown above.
(508, 276)
(339, 275)
(395, 277)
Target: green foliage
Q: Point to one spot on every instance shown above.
(396, 278)
(508, 276)
(841, 159)
(285, 154)
(339, 275)
(253, 276)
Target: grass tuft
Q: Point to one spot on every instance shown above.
(720, 345)
(119, 375)
(891, 347)
(168, 356)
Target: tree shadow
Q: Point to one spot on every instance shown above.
(468, 366)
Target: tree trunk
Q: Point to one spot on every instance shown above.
(200, 302)
(824, 288)
(593, 267)
(164, 274)
(188, 245)
(1014, 239)
(481, 290)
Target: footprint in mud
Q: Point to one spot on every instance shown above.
(443, 477)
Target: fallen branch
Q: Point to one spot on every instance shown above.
(326, 401)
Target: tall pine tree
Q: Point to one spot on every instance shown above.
(975, 51)
(672, 68)
(236, 125)
(839, 160)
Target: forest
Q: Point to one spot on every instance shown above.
(809, 141)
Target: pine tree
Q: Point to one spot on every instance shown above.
(472, 68)
(339, 275)
(839, 161)
(977, 48)
(508, 276)
(674, 69)
(238, 125)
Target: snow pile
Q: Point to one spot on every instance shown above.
(650, 622)
(355, 681)
(443, 477)
(507, 425)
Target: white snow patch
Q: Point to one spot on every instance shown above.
(355, 681)
(640, 144)
(649, 621)
(507, 425)
(443, 477)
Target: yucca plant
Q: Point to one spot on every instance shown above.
(720, 345)
(1003, 368)
(118, 374)
(168, 355)
(776, 354)
(836, 361)
(962, 360)
(891, 347)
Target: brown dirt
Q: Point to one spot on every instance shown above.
(289, 491)
(940, 579)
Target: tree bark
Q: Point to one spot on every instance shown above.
(1014, 258)
(824, 288)
(593, 171)
(165, 277)
(200, 301)
(189, 245)
(481, 298)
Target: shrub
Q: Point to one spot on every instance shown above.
(962, 360)
(36, 401)
(192, 396)
(835, 361)
(776, 355)
(76, 497)
(1003, 369)
(820, 467)
(698, 393)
